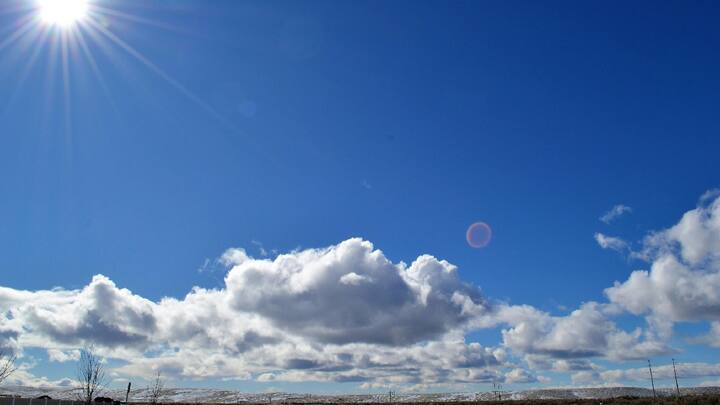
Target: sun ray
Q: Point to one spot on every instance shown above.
(50, 74)
(39, 36)
(67, 96)
(107, 49)
(155, 69)
(68, 44)
(94, 67)
(229, 126)
(100, 11)
(18, 33)
(16, 8)
(66, 20)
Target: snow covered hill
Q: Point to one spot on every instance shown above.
(216, 396)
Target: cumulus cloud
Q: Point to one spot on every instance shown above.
(352, 293)
(24, 378)
(346, 313)
(709, 195)
(343, 313)
(8, 337)
(670, 290)
(610, 242)
(615, 212)
(62, 356)
(520, 375)
(540, 362)
(353, 278)
(99, 312)
(714, 336)
(683, 283)
(586, 332)
(684, 370)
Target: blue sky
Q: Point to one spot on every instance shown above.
(198, 127)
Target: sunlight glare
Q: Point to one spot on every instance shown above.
(62, 13)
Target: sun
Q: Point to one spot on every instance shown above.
(62, 13)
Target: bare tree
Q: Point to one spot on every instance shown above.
(7, 365)
(157, 391)
(90, 375)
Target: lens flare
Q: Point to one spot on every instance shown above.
(478, 235)
(62, 13)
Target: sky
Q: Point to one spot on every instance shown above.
(275, 195)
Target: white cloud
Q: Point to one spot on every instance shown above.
(712, 338)
(520, 375)
(24, 378)
(670, 290)
(346, 313)
(260, 247)
(354, 279)
(317, 293)
(684, 370)
(698, 234)
(584, 333)
(715, 334)
(615, 212)
(9, 333)
(710, 383)
(585, 377)
(610, 242)
(102, 312)
(683, 282)
(61, 356)
(709, 195)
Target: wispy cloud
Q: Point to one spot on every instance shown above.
(709, 195)
(615, 212)
(261, 248)
(610, 242)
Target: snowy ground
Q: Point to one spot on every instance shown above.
(199, 395)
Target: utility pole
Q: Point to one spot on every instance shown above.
(390, 396)
(127, 394)
(497, 390)
(652, 381)
(677, 386)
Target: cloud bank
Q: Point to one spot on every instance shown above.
(346, 313)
